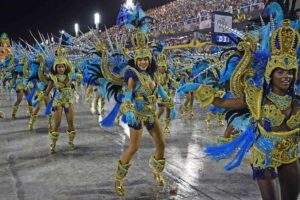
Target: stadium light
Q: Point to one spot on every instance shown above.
(97, 20)
(129, 4)
(76, 27)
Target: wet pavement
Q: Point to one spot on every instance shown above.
(28, 171)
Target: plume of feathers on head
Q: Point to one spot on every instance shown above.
(133, 17)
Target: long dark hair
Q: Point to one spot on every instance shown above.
(150, 70)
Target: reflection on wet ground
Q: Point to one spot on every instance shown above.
(28, 171)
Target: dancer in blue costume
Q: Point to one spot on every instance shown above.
(135, 91)
(6, 59)
(62, 98)
(20, 76)
(165, 79)
(263, 86)
(39, 69)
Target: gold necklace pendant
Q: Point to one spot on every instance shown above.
(61, 77)
(281, 102)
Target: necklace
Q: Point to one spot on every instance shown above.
(281, 102)
(61, 77)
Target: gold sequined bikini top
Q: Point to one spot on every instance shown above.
(61, 81)
(276, 117)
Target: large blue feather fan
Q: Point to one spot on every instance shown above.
(226, 72)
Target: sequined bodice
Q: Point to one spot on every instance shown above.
(276, 117)
(61, 82)
(145, 89)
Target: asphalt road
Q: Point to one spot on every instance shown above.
(28, 171)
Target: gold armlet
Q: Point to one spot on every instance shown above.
(206, 94)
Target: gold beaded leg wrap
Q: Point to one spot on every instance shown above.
(71, 135)
(14, 111)
(167, 125)
(50, 123)
(119, 179)
(32, 121)
(102, 106)
(157, 167)
(30, 110)
(53, 138)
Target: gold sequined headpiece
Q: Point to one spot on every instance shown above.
(4, 40)
(140, 43)
(61, 59)
(284, 42)
(162, 60)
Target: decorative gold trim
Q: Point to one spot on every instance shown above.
(253, 97)
(108, 75)
(243, 69)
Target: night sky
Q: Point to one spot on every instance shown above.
(51, 16)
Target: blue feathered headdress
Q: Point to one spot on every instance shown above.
(133, 17)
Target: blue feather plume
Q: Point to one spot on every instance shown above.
(30, 96)
(133, 17)
(109, 120)
(260, 61)
(50, 105)
(226, 72)
(242, 144)
(275, 10)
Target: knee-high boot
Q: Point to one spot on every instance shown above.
(119, 178)
(53, 139)
(71, 135)
(157, 167)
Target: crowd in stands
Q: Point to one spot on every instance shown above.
(189, 15)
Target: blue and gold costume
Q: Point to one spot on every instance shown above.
(63, 95)
(169, 85)
(20, 79)
(270, 135)
(139, 105)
